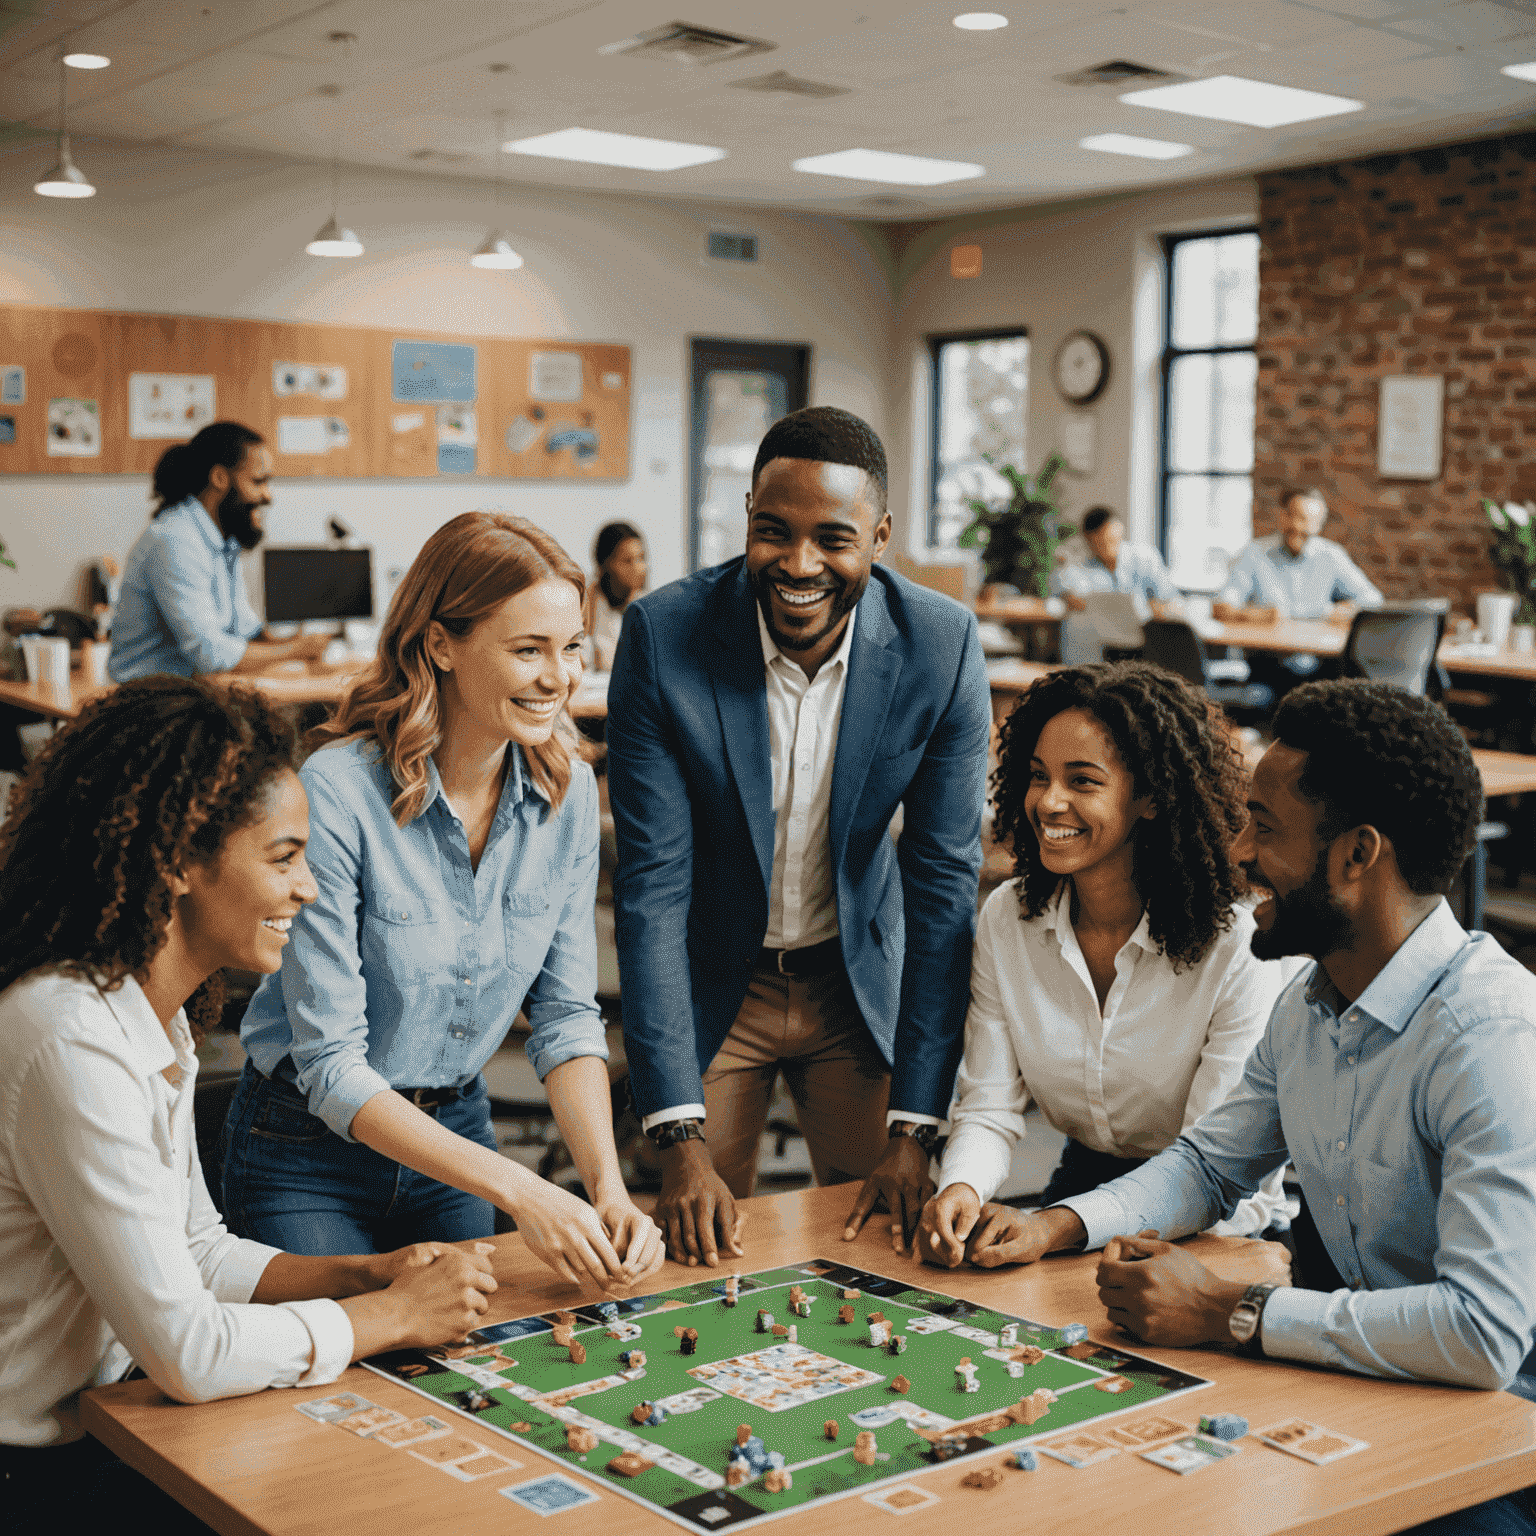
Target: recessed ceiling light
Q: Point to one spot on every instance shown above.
(627, 149)
(1131, 144)
(87, 60)
(980, 21)
(1520, 71)
(878, 165)
(1231, 99)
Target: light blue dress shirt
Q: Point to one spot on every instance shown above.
(1410, 1116)
(1303, 586)
(1138, 570)
(411, 966)
(183, 607)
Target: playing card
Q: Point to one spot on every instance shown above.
(327, 1410)
(902, 1499)
(1296, 1437)
(454, 1448)
(1079, 1450)
(1140, 1432)
(1190, 1453)
(426, 1427)
(550, 1495)
(366, 1420)
(479, 1466)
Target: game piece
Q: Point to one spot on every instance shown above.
(688, 1337)
(1296, 1437)
(796, 1294)
(632, 1359)
(1031, 1409)
(946, 1446)
(736, 1474)
(1007, 1335)
(764, 1320)
(879, 1330)
(732, 1289)
(967, 1375)
(1112, 1384)
(562, 1334)
(608, 1310)
(578, 1353)
(864, 1448)
(521, 1427)
(1223, 1426)
(1025, 1459)
(900, 1384)
(566, 1319)
(845, 1314)
(743, 1433)
(579, 1438)
(1027, 1354)
(985, 1478)
(1190, 1454)
(630, 1464)
(777, 1480)
(780, 1331)
(1081, 1351)
(801, 1308)
(648, 1413)
(1073, 1333)
(850, 1295)
(896, 1344)
(792, 1335)
(877, 1317)
(829, 1429)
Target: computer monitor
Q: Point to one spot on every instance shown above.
(318, 584)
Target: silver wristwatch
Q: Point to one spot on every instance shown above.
(1247, 1316)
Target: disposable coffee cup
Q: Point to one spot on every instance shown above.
(1495, 613)
(30, 653)
(96, 655)
(53, 663)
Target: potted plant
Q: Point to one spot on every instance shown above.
(1017, 539)
(1514, 552)
(5, 559)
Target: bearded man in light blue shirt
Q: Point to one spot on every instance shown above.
(1398, 1075)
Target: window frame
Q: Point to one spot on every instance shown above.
(1171, 354)
(935, 428)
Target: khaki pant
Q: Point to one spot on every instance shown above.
(810, 1028)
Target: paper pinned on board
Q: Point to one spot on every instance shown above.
(311, 434)
(555, 376)
(174, 405)
(13, 384)
(74, 429)
(327, 381)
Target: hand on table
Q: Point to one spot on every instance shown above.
(439, 1291)
(902, 1180)
(1074, 602)
(1163, 1295)
(1342, 614)
(635, 1237)
(696, 1212)
(569, 1236)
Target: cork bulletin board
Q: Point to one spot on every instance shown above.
(89, 392)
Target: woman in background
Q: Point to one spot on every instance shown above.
(619, 555)
(455, 847)
(157, 839)
(1112, 984)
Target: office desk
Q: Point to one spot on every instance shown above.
(1320, 638)
(255, 1465)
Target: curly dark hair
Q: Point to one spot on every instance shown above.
(149, 779)
(1181, 752)
(1382, 757)
(829, 435)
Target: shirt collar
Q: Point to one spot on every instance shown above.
(1308, 549)
(1059, 921)
(205, 525)
(518, 785)
(771, 652)
(1399, 988)
(148, 1042)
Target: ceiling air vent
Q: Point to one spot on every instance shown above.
(681, 43)
(791, 85)
(728, 247)
(1118, 72)
(437, 157)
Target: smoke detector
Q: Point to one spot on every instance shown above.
(679, 42)
(1118, 72)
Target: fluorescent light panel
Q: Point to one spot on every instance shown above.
(1131, 144)
(899, 170)
(1520, 71)
(1231, 99)
(980, 21)
(87, 60)
(590, 147)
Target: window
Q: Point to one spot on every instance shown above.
(980, 390)
(1209, 372)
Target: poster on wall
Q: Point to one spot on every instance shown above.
(311, 434)
(555, 376)
(1408, 427)
(432, 371)
(171, 405)
(457, 438)
(74, 429)
(13, 384)
(326, 381)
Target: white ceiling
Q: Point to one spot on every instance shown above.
(249, 75)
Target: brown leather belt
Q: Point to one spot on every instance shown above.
(813, 960)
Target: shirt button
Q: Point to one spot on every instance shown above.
(465, 981)
(1341, 1146)
(1338, 1200)
(1350, 1060)
(458, 1034)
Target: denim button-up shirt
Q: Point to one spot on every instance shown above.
(411, 966)
(1410, 1115)
(1303, 586)
(1138, 570)
(182, 608)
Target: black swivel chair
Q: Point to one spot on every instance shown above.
(1173, 644)
(1397, 643)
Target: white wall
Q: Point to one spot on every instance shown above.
(1053, 270)
(186, 232)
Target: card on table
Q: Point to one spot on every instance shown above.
(327, 1410)
(427, 1427)
(1296, 1437)
(1190, 1453)
(902, 1499)
(1142, 1432)
(478, 1466)
(551, 1495)
(366, 1420)
(1079, 1450)
(454, 1448)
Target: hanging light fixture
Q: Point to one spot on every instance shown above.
(65, 179)
(333, 238)
(495, 250)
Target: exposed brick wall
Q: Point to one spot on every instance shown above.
(1418, 263)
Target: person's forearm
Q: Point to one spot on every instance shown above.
(1064, 1228)
(295, 1277)
(583, 1109)
(261, 654)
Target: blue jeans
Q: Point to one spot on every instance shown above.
(1510, 1516)
(291, 1181)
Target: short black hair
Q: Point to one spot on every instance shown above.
(1094, 520)
(1382, 757)
(826, 434)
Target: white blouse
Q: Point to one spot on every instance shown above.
(1168, 1046)
(111, 1252)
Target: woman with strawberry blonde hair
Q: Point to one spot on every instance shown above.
(454, 840)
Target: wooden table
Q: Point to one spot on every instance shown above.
(255, 1465)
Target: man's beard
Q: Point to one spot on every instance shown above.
(1307, 922)
(845, 598)
(236, 518)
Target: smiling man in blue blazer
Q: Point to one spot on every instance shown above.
(768, 718)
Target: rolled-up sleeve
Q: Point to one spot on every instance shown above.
(89, 1166)
(182, 584)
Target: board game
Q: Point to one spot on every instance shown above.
(738, 1398)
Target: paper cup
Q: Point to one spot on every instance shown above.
(1522, 638)
(95, 655)
(1495, 613)
(53, 663)
(29, 655)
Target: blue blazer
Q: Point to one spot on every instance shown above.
(691, 781)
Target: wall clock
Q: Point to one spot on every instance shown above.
(1080, 369)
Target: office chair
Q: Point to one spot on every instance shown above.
(1173, 644)
(1397, 643)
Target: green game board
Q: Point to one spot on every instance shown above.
(831, 1372)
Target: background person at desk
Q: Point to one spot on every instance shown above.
(182, 607)
(157, 839)
(1111, 565)
(618, 552)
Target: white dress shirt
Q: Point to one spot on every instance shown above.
(1168, 1046)
(111, 1252)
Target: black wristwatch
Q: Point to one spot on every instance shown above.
(668, 1133)
(926, 1136)
(1247, 1318)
